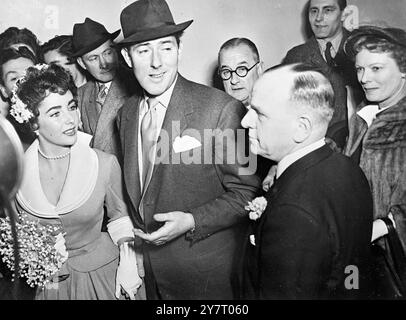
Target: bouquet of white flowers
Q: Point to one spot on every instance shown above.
(39, 257)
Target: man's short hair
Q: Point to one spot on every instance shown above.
(13, 54)
(235, 42)
(62, 44)
(311, 89)
(341, 4)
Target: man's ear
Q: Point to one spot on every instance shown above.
(304, 129)
(81, 63)
(3, 91)
(260, 68)
(180, 49)
(126, 56)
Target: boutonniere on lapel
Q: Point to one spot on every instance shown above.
(256, 207)
(185, 143)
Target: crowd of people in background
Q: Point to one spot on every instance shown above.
(117, 154)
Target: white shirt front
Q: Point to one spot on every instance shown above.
(294, 156)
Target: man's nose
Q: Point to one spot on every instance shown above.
(156, 61)
(319, 16)
(246, 122)
(103, 62)
(234, 78)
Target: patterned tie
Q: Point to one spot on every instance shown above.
(327, 54)
(148, 138)
(101, 97)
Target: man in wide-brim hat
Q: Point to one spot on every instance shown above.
(101, 98)
(189, 210)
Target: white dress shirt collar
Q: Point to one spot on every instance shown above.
(165, 97)
(335, 41)
(293, 157)
(107, 84)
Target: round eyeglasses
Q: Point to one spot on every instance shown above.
(241, 71)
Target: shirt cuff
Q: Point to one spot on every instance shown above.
(120, 228)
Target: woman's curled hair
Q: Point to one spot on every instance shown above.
(39, 82)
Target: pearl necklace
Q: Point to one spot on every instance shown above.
(53, 158)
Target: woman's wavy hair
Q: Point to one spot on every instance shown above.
(12, 54)
(38, 83)
(374, 43)
(14, 35)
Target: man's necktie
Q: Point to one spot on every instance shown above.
(327, 54)
(101, 97)
(148, 137)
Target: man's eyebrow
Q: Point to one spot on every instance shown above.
(166, 41)
(239, 63)
(140, 45)
(10, 72)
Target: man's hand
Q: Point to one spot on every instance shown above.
(270, 178)
(176, 224)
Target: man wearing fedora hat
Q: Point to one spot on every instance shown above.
(100, 98)
(190, 215)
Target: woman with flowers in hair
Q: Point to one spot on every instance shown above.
(69, 185)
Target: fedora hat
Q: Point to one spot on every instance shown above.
(393, 35)
(89, 35)
(145, 20)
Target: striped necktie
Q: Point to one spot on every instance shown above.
(101, 97)
(148, 139)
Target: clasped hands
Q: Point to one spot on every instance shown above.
(176, 223)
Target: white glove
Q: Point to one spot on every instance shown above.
(127, 277)
(60, 247)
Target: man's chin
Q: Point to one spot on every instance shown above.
(254, 149)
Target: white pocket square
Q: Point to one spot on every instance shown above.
(184, 143)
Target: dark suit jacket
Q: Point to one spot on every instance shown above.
(198, 265)
(341, 75)
(317, 222)
(103, 127)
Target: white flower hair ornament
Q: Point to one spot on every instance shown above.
(256, 207)
(18, 108)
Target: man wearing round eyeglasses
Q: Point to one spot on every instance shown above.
(239, 67)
